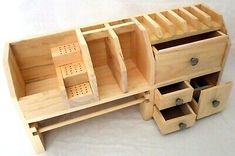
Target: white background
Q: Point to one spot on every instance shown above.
(119, 133)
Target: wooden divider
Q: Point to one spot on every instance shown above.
(88, 63)
(116, 61)
(106, 56)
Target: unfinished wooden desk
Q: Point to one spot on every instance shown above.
(169, 63)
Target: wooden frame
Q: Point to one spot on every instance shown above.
(97, 69)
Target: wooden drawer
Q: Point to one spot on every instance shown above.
(189, 57)
(209, 98)
(174, 118)
(173, 95)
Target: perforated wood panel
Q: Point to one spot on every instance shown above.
(66, 49)
(73, 69)
(79, 90)
(65, 54)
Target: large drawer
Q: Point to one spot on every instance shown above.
(189, 57)
(208, 97)
(174, 118)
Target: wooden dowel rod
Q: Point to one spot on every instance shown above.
(91, 115)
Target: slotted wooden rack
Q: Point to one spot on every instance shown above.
(169, 63)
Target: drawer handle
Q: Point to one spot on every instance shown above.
(194, 61)
(215, 103)
(179, 101)
(182, 126)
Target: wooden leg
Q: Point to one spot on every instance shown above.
(146, 108)
(36, 138)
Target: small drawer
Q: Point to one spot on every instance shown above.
(174, 118)
(173, 95)
(209, 98)
(190, 57)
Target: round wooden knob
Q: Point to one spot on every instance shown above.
(194, 61)
(179, 101)
(215, 103)
(182, 126)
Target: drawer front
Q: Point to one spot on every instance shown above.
(190, 60)
(175, 124)
(175, 98)
(213, 100)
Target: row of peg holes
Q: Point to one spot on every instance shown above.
(70, 69)
(70, 47)
(79, 90)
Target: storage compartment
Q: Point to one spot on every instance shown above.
(172, 95)
(209, 97)
(174, 118)
(196, 55)
(32, 62)
(137, 55)
(108, 63)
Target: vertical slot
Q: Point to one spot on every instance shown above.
(191, 19)
(177, 20)
(151, 26)
(202, 16)
(166, 25)
(155, 27)
(216, 17)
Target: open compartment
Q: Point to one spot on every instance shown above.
(110, 70)
(209, 97)
(174, 118)
(137, 54)
(172, 95)
(32, 61)
(194, 57)
(32, 74)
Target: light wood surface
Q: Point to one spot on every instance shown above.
(152, 60)
(168, 125)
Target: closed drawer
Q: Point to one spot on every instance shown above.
(173, 95)
(208, 97)
(189, 57)
(174, 118)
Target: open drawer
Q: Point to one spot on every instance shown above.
(174, 118)
(173, 95)
(189, 57)
(209, 97)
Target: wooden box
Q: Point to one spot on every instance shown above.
(169, 63)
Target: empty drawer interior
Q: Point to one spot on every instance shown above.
(187, 40)
(175, 112)
(172, 88)
(203, 82)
